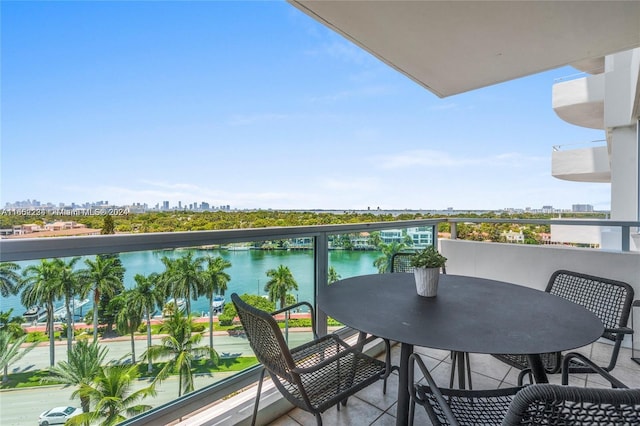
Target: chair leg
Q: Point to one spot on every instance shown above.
(255, 406)
(454, 358)
(466, 356)
(460, 364)
(412, 410)
(388, 367)
(525, 372)
(319, 419)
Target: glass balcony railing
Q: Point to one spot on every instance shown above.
(313, 256)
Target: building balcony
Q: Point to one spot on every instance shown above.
(227, 399)
(581, 165)
(581, 101)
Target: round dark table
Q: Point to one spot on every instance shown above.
(469, 314)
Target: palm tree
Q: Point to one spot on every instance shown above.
(280, 283)
(82, 365)
(68, 280)
(112, 396)
(383, 263)
(180, 346)
(104, 275)
(41, 287)
(12, 324)
(11, 352)
(129, 317)
(9, 278)
(183, 277)
(146, 295)
(214, 281)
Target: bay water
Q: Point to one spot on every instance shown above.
(248, 271)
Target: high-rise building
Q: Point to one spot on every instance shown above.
(582, 208)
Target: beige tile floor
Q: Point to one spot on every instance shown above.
(371, 408)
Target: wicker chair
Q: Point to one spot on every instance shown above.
(401, 262)
(313, 376)
(538, 404)
(608, 299)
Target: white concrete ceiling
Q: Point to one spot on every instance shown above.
(450, 47)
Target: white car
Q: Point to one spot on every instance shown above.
(58, 415)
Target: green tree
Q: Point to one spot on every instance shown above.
(129, 318)
(180, 346)
(82, 365)
(12, 324)
(108, 225)
(9, 278)
(183, 277)
(229, 313)
(112, 396)
(383, 263)
(107, 311)
(11, 351)
(68, 281)
(147, 295)
(104, 276)
(281, 281)
(332, 275)
(375, 239)
(214, 281)
(40, 287)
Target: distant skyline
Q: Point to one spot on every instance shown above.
(255, 105)
(37, 207)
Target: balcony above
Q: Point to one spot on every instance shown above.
(582, 165)
(590, 66)
(451, 47)
(580, 101)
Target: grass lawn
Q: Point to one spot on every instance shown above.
(202, 366)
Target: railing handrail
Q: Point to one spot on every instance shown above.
(576, 222)
(12, 250)
(559, 147)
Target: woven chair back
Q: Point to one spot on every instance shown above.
(567, 405)
(609, 300)
(265, 338)
(401, 262)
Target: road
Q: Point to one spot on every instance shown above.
(23, 406)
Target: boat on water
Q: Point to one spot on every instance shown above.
(217, 305)
(34, 312)
(237, 247)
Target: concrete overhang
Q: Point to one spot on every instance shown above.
(451, 47)
(582, 165)
(580, 101)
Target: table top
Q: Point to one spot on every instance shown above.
(468, 315)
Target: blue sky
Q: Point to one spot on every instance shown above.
(255, 105)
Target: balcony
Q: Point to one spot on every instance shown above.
(590, 164)
(581, 101)
(220, 400)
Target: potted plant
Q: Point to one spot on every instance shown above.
(427, 264)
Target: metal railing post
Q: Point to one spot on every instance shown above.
(454, 230)
(626, 237)
(321, 266)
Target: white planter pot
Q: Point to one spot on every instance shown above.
(427, 281)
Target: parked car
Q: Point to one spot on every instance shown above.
(58, 415)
